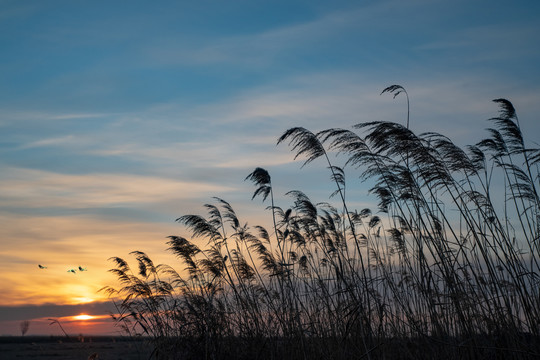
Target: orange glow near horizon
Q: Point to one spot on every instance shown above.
(78, 241)
(80, 324)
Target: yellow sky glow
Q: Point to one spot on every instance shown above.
(65, 243)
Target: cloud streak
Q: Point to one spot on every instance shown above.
(34, 188)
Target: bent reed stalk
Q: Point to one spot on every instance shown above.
(447, 268)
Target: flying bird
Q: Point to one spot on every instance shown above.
(72, 271)
(81, 268)
(41, 266)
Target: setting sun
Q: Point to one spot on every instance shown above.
(83, 317)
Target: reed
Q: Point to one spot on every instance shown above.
(447, 267)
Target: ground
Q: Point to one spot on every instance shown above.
(49, 348)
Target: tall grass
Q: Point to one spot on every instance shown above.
(447, 267)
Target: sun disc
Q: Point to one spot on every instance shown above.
(83, 317)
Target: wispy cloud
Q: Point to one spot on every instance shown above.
(35, 188)
(9, 313)
(490, 42)
(19, 117)
(262, 48)
(16, 9)
(67, 140)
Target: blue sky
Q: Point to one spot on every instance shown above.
(117, 117)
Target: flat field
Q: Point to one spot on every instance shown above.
(60, 348)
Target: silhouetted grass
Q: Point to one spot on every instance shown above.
(446, 268)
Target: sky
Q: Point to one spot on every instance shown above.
(117, 117)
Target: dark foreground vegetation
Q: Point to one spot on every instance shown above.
(446, 268)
